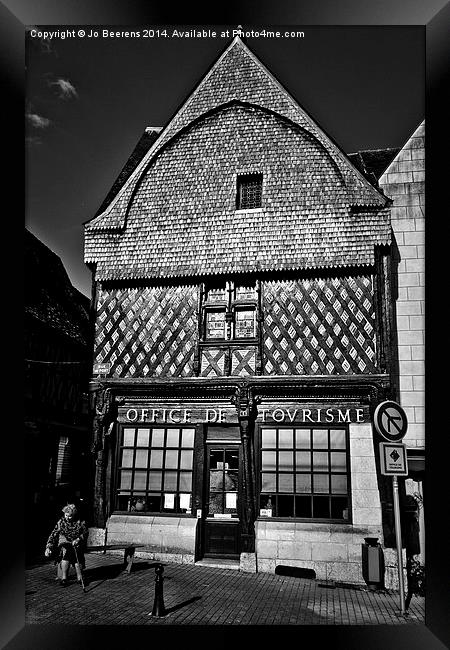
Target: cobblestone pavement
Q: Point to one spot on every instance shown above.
(196, 595)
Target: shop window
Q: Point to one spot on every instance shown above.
(155, 470)
(249, 192)
(229, 312)
(304, 473)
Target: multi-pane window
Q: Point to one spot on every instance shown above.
(230, 312)
(155, 469)
(223, 481)
(304, 472)
(249, 192)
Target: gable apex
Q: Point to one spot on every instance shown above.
(238, 74)
(415, 142)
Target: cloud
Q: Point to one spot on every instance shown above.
(38, 121)
(65, 89)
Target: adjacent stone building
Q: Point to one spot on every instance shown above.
(244, 337)
(404, 182)
(57, 346)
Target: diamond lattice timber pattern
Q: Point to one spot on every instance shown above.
(310, 326)
(147, 331)
(320, 326)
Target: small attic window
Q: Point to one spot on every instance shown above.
(249, 192)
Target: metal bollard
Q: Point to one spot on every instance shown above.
(159, 609)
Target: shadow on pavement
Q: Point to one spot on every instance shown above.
(142, 566)
(105, 572)
(100, 574)
(111, 571)
(175, 608)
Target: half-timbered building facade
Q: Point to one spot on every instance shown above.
(243, 307)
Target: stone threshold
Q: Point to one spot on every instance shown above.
(219, 563)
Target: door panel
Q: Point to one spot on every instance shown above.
(223, 486)
(222, 539)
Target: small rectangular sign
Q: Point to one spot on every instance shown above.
(185, 501)
(265, 512)
(101, 368)
(169, 501)
(393, 459)
(230, 500)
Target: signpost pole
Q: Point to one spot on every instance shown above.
(398, 539)
(391, 423)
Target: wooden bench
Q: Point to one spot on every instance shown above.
(128, 555)
(128, 549)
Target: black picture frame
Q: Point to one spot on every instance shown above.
(435, 20)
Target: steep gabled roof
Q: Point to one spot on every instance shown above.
(237, 75)
(238, 79)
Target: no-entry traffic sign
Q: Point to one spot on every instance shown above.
(390, 421)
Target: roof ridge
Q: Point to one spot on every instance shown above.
(354, 153)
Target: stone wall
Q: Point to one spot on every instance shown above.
(333, 551)
(404, 182)
(164, 538)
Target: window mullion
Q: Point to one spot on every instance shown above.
(133, 467)
(150, 433)
(163, 470)
(277, 461)
(178, 471)
(329, 471)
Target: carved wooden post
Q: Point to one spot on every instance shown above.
(102, 425)
(246, 405)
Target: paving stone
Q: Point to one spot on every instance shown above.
(199, 595)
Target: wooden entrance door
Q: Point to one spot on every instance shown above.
(222, 507)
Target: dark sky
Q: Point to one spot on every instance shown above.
(89, 100)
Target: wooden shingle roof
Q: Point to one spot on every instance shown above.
(175, 214)
(50, 299)
(373, 162)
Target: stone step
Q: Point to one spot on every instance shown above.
(219, 563)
